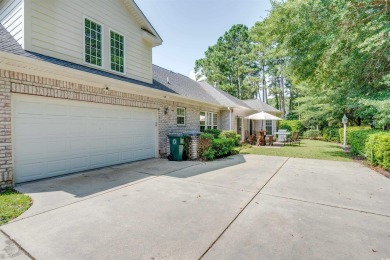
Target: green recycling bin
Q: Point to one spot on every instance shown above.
(176, 144)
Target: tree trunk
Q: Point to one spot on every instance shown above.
(264, 86)
(282, 99)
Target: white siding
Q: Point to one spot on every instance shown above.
(11, 17)
(57, 30)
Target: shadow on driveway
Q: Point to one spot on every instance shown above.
(96, 181)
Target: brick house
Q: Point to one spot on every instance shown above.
(78, 90)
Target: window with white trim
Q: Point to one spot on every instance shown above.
(208, 120)
(268, 127)
(181, 116)
(117, 52)
(93, 42)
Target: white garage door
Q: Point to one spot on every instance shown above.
(52, 137)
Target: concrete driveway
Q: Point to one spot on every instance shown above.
(242, 207)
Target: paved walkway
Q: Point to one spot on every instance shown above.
(242, 207)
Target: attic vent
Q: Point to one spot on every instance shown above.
(168, 80)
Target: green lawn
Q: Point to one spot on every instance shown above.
(309, 149)
(12, 205)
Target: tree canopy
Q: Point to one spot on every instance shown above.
(325, 58)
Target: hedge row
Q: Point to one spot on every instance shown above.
(369, 143)
(377, 149)
(357, 140)
(350, 129)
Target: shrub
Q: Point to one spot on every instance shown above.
(214, 132)
(208, 154)
(232, 135)
(292, 126)
(377, 149)
(211, 148)
(312, 134)
(330, 134)
(205, 143)
(351, 129)
(223, 146)
(357, 141)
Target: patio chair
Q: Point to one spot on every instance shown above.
(270, 140)
(294, 139)
(260, 137)
(252, 139)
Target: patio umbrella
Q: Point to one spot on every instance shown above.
(263, 116)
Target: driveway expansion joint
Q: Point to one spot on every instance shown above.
(18, 245)
(327, 205)
(242, 210)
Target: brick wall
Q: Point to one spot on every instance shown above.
(14, 82)
(5, 130)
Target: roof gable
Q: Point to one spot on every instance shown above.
(146, 26)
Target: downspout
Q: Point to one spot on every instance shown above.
(230, 118)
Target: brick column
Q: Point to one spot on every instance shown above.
(6, 168)
(193, 147)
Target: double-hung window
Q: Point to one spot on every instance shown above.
(117, 51)
(181, 116)
(93, 42)
(208, 120)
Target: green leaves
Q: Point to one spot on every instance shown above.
(338, 54)
(229, 62)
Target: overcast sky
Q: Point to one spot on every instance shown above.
(188, 27)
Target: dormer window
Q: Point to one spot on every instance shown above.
(117, 52)
(93, 42)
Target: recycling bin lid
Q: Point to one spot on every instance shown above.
(192, 133)
(175, 135)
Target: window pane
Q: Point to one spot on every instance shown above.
(209, 118)
(180, 111)
(215, 119)
(93, 44)
(202, 118)
(268, 127)
(180, 120)
(117, 52)
(202, 128)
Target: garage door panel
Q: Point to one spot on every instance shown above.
(31, 171)
(56, 110)
(54, 137)
(57, 167)
(30, 108)
(29, 128)
(80, 163)
(98, 160)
